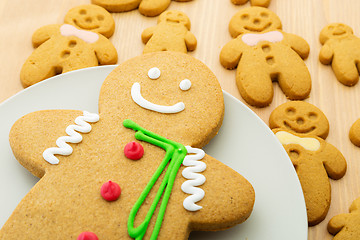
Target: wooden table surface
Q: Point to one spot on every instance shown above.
(210, 18)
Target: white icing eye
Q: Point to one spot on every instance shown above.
(185, 84)
(154, 73)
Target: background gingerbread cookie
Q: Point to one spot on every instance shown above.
(302, 128)
(172, 33)
(148, 8)
(346, 226)
(263, 53)
(82, 41)
(260, 3)
(169, 103)
(341, 49)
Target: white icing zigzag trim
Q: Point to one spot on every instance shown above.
(194, 166)
(74, 137)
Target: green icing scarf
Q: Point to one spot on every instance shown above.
(175, 152)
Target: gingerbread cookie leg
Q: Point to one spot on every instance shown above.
(153, 8)
(314, 183)
(239, 2)
(345, 70)
(296, 84)
(255, 86)
(260, 3)
(117, 5)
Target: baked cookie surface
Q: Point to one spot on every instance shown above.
(144, 98)
(341, 49)
(263, 53)
(82, 41)
(302, 128)
(149, 8)
(346, 226)
(171, 34)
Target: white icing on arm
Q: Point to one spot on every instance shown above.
(194, 166)
(142, 102)
(311, 144)
(69, 30)
(74, 137)
(252, 39)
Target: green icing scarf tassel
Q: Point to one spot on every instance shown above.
(175, 154)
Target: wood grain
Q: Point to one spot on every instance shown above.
(210, 18)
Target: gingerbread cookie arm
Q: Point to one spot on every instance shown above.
(298, 44)
(337, 223)
(334, 163)
(105, 51)
(326, 54)
(44, 33)
(190, 41)
(147, 34)
(32, 134)
(232, 206)
(231, 53)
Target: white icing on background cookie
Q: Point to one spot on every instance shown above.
(142, 102)
(252, 39)
(74, 137)
(194, 166)
(311, 144)
(69, 30)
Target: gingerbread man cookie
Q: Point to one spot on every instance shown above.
(149, 8)
(136, 169)
(260, 3)
(346, 226)
(341, 49)
(82, 41)
(172, 33)
(302, 128)
(263, 53)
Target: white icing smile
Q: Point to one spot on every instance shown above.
(142, 102)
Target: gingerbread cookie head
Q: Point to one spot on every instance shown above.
(300, 117)
(190, 102)
(176, 17)
(335, 31)
(92, 18)
(254, 20)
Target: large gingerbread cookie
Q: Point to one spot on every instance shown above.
(341, 49)
(263, 53)
(346, 226)
(302, 129)
(82, 41)
(148, 8)
(172, 33)
(136, 169)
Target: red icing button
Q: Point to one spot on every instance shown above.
(87, 236)
(134, 150)
(110, 191)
